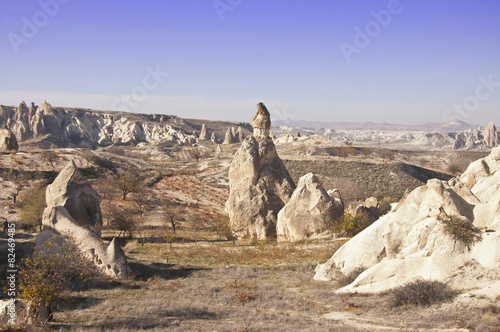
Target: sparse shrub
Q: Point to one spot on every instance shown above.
(33, 205)
(386, 154)
(220, 225)
(461, 229)
(454, 169)
(44, 276)
(351, 224)
(50, 156)
(347, 279)
(421, 292)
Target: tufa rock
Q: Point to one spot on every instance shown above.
(259, 187)
(491, 135)
(309, 213)
(73, 211)
(203, 133)
(261, 122)
(71, 191)
(239, 134)
(229, 137)
(8, 141)
(412, 242)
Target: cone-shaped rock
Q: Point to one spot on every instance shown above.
(491, 135)
(259, 184)
(229, 137)
(203, 133)
(309, 212)
(73, 192)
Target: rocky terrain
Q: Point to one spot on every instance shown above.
(445, 137)
(251, 268)
(47, 126)
(444, 230)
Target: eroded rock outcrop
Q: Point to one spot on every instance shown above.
(228, 138)
(491, 135)
(259, 183)
(73, 211)
(71, 191)
(8, 141)
(412, 242)
(203, 133)
(88, 128)
(309, 213)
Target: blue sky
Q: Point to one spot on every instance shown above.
(420, 61)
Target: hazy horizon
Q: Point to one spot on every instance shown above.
(401, 62)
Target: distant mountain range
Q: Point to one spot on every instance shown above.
(454, 125)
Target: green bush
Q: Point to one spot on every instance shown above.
(421, 292)
(351, 224)
(461, 229)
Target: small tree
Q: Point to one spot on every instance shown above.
(125, 221)
(51, 157)
(107, 189)
(197, 153)
(140, 196)
(33, 205)
(172, 215)
(127, 183)
(20, 181)
(220, 225)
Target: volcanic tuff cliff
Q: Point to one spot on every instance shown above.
(90, 128)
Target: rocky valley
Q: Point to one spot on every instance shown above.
(193, 224)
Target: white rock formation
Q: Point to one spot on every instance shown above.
(491, 135)
(228, 138)
(412, 243)
(73, 210)
(203, 133)
(309, 213)
(90, 128)
(8, 141)
(259, 183)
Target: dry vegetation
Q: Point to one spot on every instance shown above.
(199, 278)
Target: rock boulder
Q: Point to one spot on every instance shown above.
(413, 242)
(309, 213)
(74, 193)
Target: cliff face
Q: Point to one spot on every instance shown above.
(88, 128)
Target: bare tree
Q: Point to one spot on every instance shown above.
(197, 153)
(51, 157)
(172, 215)
(140, 196)
(107, 189)
(20, 181)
